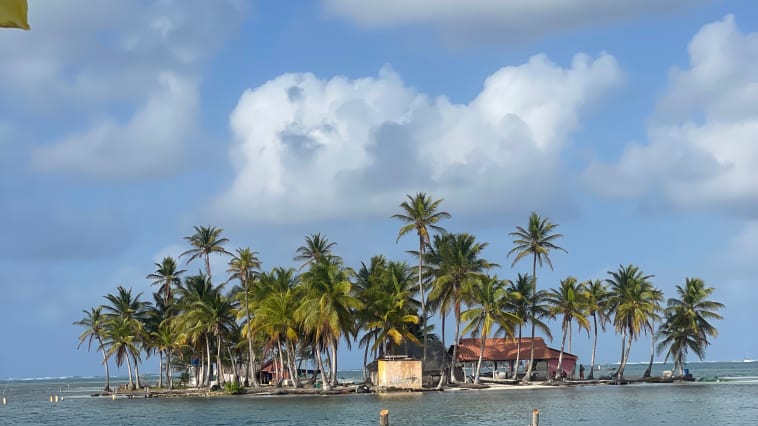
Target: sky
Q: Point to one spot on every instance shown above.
(632, 124)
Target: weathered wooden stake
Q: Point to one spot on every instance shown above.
(384, 417)
(535, 417)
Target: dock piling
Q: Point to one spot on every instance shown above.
(535, 417)
(384, 417)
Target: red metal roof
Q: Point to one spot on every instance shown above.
(500, 349)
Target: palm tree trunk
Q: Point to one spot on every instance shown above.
(365, 360)
(518, 354)
(281, 362)
(253, 373)
(421, 291)
(566, 327)
(129, 369)
(294, 375)
(594, 347)
(528, 374)
(443, 361)
(334, 363)
(208, 266)
(325, 382)
(169, 377)
(219, 373)
(136, 372)
(250, 354)
(649, 368)
(160, 369)
(479, 364)
(208, 358)
(625, 348)
(623, 351)
(107, 387)
(455, 343)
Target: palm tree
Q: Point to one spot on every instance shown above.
(166, 342)
(326, 308)
(125, 306)
(213, 314)
(273, 317)
(389, 309)
(456, 265)
(596, 297)
(316, 248)
(166, 276)
(205, 241)
(686, 325)
(420, 214)
(94, 324)
(491, 298)
(568, 302)
(521, 305)
(633, 303)
(120, 339)
(536, 240)
(195, 289)
(243, 267)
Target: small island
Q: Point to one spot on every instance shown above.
(259, 331)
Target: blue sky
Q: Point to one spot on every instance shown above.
(632, 124)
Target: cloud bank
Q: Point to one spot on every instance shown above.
(701, 150)
(307, 148)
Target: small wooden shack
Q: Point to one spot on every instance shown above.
(399, 373)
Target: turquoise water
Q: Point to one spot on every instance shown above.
(728, 395)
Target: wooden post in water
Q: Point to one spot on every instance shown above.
(384, 417)
(535, 417)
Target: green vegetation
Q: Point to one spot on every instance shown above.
(285, 317)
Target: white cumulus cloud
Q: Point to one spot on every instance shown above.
(306, 148)
(703, 138)
(513, 19)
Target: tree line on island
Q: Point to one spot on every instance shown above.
(289, 315)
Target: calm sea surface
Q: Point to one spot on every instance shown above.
(727, 393)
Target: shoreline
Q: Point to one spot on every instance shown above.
(361, 389)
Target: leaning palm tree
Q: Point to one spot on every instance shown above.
(166, 276)
(633, 303)
(95, 329)
(244, 267)
(537, 240)
(206, 241)
(420, 214)
(687, 322)
(567, 301)
(596, 296)
(456, 265)
(490, 298)
(316, 247)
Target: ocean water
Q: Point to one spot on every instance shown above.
(726, 394)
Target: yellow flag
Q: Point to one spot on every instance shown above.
(13, 14)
